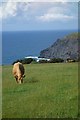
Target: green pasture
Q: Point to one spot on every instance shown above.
(0, 92)
(49, 91)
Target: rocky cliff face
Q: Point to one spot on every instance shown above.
(64, 48)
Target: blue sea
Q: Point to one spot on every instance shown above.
(19, 44)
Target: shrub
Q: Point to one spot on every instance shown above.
(71, 60)
(43, 61)
(34, 62)
(56, 60)
(16, 61)
(30, 60)
(27, 61)
(23, 61)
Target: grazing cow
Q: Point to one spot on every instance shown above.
(18, 72)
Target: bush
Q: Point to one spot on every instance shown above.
(30, 60)
(27, 61)
(43, 61)
(34, 62)
(24, 61)
(56, 60)
(71, 60)
(16, 61)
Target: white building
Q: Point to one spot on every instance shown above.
(36, 58)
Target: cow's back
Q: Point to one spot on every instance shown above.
(18, 68)
(18, 72)
(21, 68)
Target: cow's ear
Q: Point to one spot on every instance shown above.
(23, 76)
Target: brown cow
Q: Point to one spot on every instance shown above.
(18, 72)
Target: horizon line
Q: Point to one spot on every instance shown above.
(37, 30)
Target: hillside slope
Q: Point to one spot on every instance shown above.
(64, 48)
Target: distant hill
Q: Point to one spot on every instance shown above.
(64, 48)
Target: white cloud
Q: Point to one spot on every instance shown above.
(10, 9)
(42, 1)
(59, 13)
(53, 17)
(0, 12)
(36, 0)
(13, 8)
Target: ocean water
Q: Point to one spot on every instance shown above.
(19, 44)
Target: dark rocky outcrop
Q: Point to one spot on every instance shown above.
(64, 48)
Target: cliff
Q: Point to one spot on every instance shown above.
(64, 48)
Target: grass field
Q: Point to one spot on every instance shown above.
(48, 91)
(0, 92)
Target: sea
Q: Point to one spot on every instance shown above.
(20, 44)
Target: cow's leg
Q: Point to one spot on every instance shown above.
(16, 77)
(21, 80)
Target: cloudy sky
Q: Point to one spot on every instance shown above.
(37, 15)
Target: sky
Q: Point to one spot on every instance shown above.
(38, 15)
